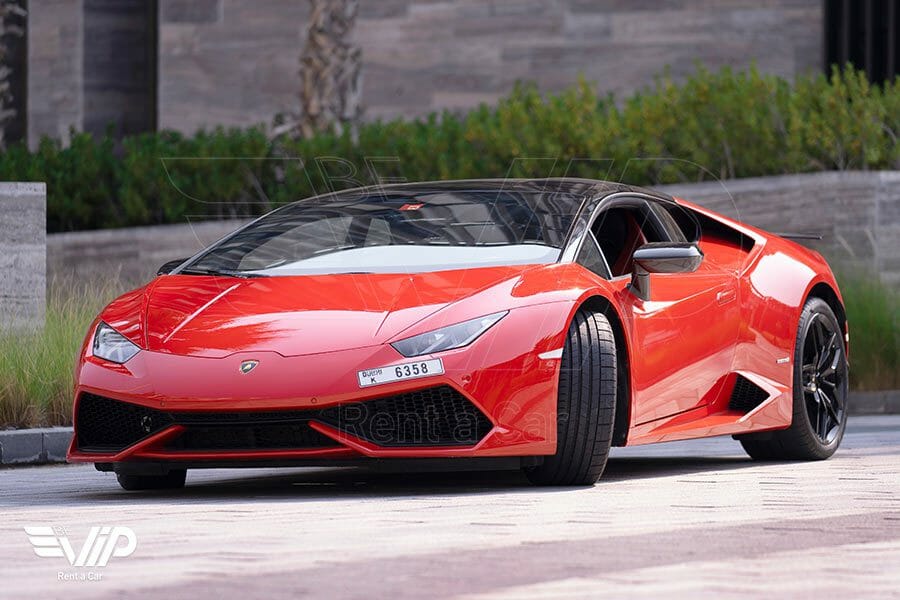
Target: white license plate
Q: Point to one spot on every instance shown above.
(410, 370)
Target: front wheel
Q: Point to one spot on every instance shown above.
(820, 392)
(586, 405)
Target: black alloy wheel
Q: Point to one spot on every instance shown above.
(824, 377)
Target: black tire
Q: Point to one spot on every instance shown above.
(820, 400)
(586, 405)
(172, 480)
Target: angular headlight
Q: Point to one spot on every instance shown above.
(447, 338)
(111, 345)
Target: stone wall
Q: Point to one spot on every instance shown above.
(119, 66)
(235, 62)
(131, 255)
(55, 46)
(23, 217)
(858, 214)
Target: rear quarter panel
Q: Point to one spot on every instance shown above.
(775, 280)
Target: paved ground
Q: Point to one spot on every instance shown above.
(686, 519)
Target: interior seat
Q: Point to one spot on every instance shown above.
(619, 234)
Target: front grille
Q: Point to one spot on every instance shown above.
(106, 425)
(746, 395)
(438, 416)
(241, 418)
(270, 436)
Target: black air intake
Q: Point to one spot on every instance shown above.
(438, 416)
(107, 425)
(746, 395)
(297, 435)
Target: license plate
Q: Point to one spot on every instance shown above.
(410, 370)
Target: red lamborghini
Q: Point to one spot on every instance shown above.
(525, 323)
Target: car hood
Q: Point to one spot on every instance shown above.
(213, 316)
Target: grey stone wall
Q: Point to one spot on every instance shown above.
(119, 66)
(23, 265)
(231, 62)
(858, 214)
(235, 62)
(131, 255)
(55, 95)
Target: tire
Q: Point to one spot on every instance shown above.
(818, 395)
(586, 405)
(172, 480)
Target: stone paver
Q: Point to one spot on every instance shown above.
(686, 519)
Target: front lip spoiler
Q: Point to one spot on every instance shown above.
(373, 451)
(76, 455)
(393, 465)
(351, 446)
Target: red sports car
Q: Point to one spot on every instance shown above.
(487, 323)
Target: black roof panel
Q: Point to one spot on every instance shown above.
(561, 185)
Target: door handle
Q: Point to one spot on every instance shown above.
(726, 296)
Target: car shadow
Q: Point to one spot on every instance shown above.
(296, 484)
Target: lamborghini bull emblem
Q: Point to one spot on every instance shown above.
(248, 365)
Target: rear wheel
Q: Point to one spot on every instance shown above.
(586, 405)
(820, 392)
(170, 481)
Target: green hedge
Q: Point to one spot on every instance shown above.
(714, 125)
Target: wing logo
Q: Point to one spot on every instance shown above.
(102, 543)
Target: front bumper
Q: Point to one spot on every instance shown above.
(495, 398)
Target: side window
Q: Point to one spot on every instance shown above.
(622, 229)
(679, 225)
(590, 257)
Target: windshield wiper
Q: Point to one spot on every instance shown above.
(220, 272)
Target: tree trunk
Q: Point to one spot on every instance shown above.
(330, 69)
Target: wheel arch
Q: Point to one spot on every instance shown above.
(603, 305)
(827, 293)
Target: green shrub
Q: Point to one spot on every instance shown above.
(873, 312)
(81, 180)
(840, 123)
(713, 125)
(167, 177)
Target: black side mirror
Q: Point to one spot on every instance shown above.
(662, 257)
(170, 266)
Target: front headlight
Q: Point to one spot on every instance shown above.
(447, 338)
(111, 345)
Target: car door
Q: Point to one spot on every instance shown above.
(684, 335)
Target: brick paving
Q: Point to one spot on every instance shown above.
(688, 519)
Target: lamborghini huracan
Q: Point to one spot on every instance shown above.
(529, 324)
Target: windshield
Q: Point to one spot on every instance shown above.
(391, 232)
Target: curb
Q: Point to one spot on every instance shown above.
(34, 446)
(49, 445)
(885, 402)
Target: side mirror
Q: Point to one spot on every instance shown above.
(170, 266)
(662, 257)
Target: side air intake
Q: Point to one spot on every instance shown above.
(746, 395)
